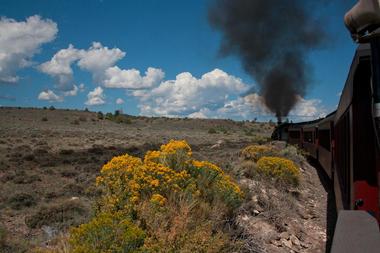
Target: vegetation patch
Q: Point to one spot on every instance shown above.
(255, 152)
(107, 233)
(118, 118)
(22, 200)
(3, 235)
(167, 202)
(65, 214)
(280, 169)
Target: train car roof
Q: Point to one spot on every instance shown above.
(307, 124)
(363, 52)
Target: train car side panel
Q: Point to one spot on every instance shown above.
(309, 141)
(364, 143)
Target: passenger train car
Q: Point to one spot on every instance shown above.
(345, 141)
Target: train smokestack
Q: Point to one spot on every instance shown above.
(272, 38)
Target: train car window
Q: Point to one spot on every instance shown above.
(308, 137)
(324, 138)
(343, 158)
(294, 134)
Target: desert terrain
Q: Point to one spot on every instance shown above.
(49, 160)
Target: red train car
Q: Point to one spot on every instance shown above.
(356, 151)
(345, 141)
(325, 137)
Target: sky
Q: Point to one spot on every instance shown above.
(148, 57)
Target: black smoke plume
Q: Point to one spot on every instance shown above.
(272, 38)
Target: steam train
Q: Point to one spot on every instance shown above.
(346, 143)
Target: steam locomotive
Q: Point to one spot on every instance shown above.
(346, 143)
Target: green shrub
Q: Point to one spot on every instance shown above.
(280, 169)
(167, 202)
(75, 122)
(52, 108)
(100, 115)
(255, 152)
(107, 233)
(259, 139)
(292, 153)
(63, 215)
(247, 168)
(109, 116)
(212, 131)
(3, 235)
(121, 119)
(184, 227)
(22, 200)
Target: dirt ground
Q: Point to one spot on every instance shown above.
(49, 160)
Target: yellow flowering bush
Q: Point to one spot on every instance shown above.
(176, 146)
(107, 233)
(213, 183)
(255, 152)
(159, 183)
(281, 169)
(126, 179)
(158, 199)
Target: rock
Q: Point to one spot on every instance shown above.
(286, 243)
(295, 240)
(276, 243)
(303, 214)
(49, 231)
(218, 144)
(284, 235)
(245, 218)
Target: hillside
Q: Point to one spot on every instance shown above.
(49, 160)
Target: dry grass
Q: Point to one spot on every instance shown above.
(59, 159)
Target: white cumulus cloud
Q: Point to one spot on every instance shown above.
(98, 58)
(131, 78)
(252, 106)
(59, 67)
(187, 94)
(247, 107)
(81, 87)
(100, 61)
(119, 101)
(74, 91)
(308, 109)
(95, 97)
(19, 41)
(50, 96)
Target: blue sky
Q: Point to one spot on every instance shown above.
(172, 38)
